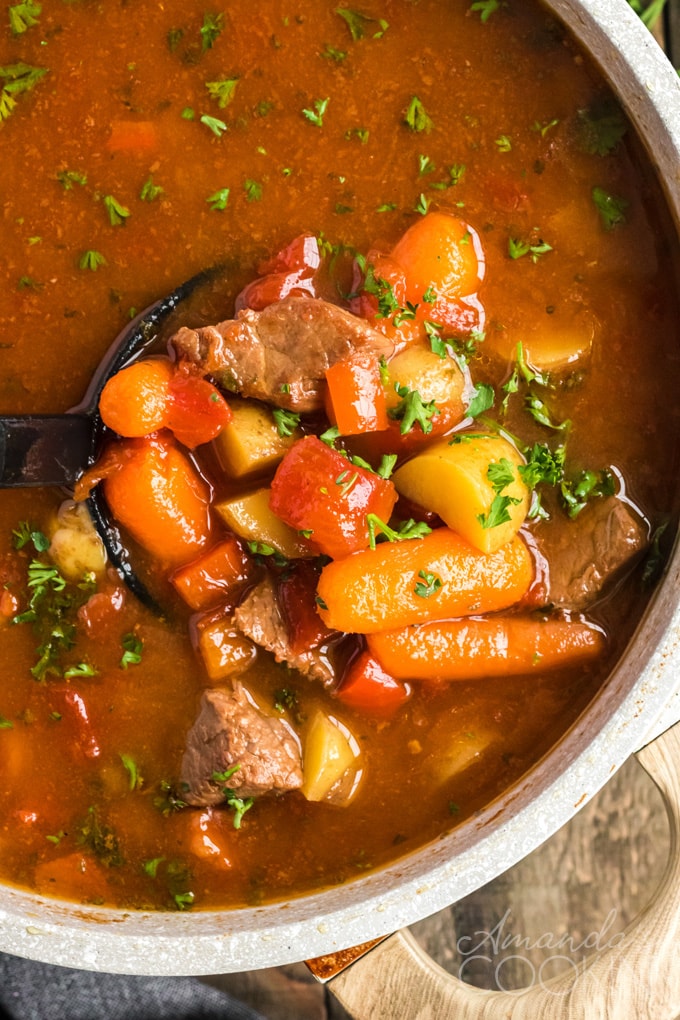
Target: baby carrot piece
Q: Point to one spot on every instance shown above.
(401, 583)
(474, 649)
(135, 401)
(157, 494)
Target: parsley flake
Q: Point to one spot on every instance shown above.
(428, 585)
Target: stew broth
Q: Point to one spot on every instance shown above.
(314, 130)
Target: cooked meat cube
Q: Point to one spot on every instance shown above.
(590, 550)
(280, 354)
(260, 617)
(231, 731)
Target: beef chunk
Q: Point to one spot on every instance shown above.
(260, 617)
(590, 550)
(280, 354)
(230, 731)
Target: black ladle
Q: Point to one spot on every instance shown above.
(40, 450)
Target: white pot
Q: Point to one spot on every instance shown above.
(613, 727)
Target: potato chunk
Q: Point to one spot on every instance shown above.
(473, 484)
(251, 518)
(75, 546)
(328, 753)
(251, 443)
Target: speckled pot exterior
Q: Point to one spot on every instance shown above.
(615, 725)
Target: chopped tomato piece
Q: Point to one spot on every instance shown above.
(290, 273)
(297, 596)
(319, 492)
(356, 395)
(209, 837)
(214, 576)
(76, 719)
(367, 687)
(197, 411)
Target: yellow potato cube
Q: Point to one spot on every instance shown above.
(328, 753)
(224, 649)
(251, 518)
(251, 443)
(473, 484)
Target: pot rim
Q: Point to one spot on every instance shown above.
(621, 716)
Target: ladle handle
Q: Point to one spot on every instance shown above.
(38, 450)
(638, 977)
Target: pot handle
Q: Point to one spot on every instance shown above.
(637, 977)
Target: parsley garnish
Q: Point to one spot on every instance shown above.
(286, 421)
(253, 190)
(503, 143)
(602, 125)
(332, 53)
(517, 249)
(17, 78)
(416, 116)
(5, 724)
(501, 474)
(379, 288)
(167, 801)
(149, 191)
(134, 777)
(407, 530)
(23, 16)
(360, 25)
(315, 115)
(482, 400)
(223, 91)
(589, 485)
(412, 410)
(132, 651)
(117, 213)
(100, 839)
(422, 205)
(486, 8)
(611, 208)
(211, 29)
(91, 260)
(67, 178)
(218, 201)
(217, 126)
(238, 804)
(428, 585)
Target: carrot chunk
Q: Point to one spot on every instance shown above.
(370, 688)
(401, 583)
(356, 395)
(215, 576)
(134, 402)
(158, 495)
(452, 650)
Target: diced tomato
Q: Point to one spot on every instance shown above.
(367, 687)
(101, 610)
(76, 720)
(318, 491)
(209, 837)
(213, 577)
(133, 136)
(356, 395)
(197, 411)
(290, 273)
(297, 597)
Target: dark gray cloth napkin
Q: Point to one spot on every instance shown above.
(38, 991)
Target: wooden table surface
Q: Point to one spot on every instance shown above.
(569, 897)
(578, 890)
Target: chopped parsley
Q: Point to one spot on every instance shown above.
(222, 91)
(132, 651)
(214, 124)
(612, 209)
(135, 780)
(100, 839)
(149, 191)
(588, 485)
(91, 260)
(500, 474)
(238, 804)
(485, 8)
(5, 724)
(117, 213)
(17, 78)
(219, 200)
(333, 53)
(503, 143)
(378, 288)
(23, 16)
(286, 421)
(416, 117)
(361, 25)
(602, 126)
(483, 398)
(412, 410)
(428, 585)
(253, 190)
(211, 29)
(517, 249)
(422, 205)
(69, 177)
(407, 530)
(316, 113)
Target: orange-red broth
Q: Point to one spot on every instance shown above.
(329, 180)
